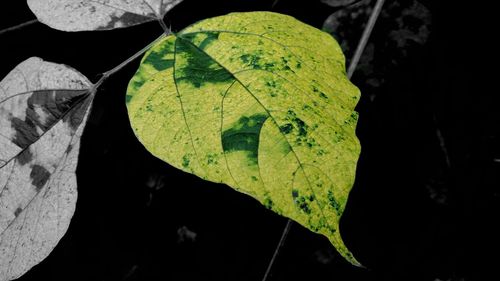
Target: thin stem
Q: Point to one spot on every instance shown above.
(166, 29)
(352, 66)
(442, 143)
(19, 26)
(278, 248)
(115, 69)
(364, 38)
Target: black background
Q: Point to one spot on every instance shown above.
(410, 216)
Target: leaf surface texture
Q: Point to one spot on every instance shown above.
(43, 108)
(258, 101)
(86, 15)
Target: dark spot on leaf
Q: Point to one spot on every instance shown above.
(332, 230)
(212, 159)
(271, 83)
(127, 19)
(200, 68)
(255, 61)
(39, 176)
(137, 84)
(310, 144)
(25, 157)
(250, 59)
(268, 66)
(156, 57)
(339, 137)
(54, 104)
(185, 161)
(17, 211)
(210, 36)
(286, 129)
(301, 126)
(128, 98)
(268, 203)
(244, 136)
(67, 99)
(300, 201)
(295, 193)
(26, 133)
(333, 202)
(298, 123)
(75, 117)
(321, 94)
(161, 64)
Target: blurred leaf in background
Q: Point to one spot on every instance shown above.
(402, 28)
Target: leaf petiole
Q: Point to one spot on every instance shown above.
(19, 26)
(166, 29)
(115, 69)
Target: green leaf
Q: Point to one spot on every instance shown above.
(43, 110)
(261, 102)
(85, 15)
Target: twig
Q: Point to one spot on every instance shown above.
(442, 143)
(364, 38)
(115, 69)
(352, 66)
(278, 248)
(19, 26)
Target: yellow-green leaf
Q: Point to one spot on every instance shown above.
(258, 101)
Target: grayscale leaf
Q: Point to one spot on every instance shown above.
(43, 109)
(87, 15)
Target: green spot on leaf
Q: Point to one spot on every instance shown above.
(200, 68)
(244, 136)
(185, 161)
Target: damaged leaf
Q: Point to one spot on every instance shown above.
(85, 15)
(258, 101)
(43, 109)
